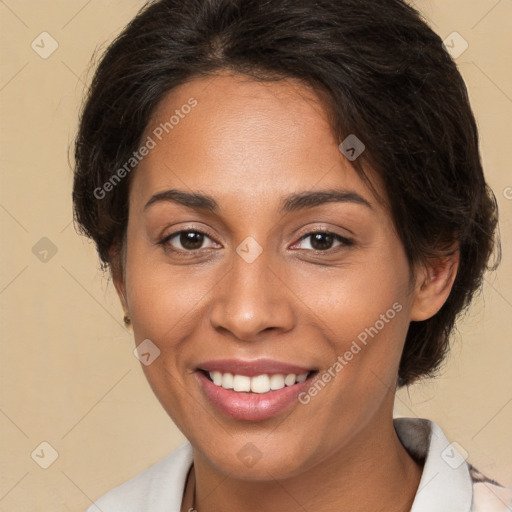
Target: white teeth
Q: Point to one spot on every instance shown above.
(302, 377)
(216, 377)
(241, 383)
(227, 381)
(277, 382)
(258, 384)
(290, 379)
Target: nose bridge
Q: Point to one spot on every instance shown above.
(251, 298)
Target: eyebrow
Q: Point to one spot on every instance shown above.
(290, 203)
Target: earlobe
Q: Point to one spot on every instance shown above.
(433, 286)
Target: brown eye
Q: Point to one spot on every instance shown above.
(191, 240)
(323, 241)
(185, 241)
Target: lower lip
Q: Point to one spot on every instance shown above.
(251, 406)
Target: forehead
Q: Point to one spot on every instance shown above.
(231, 134)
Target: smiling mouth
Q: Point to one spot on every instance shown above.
(263, 383)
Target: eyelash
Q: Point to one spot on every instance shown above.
(165, 241)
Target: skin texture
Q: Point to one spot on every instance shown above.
(249, 144)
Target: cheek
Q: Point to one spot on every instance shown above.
(364, 317)
(367, 298)
(357, 383)
(165, 305)
(163, 299)
(365, 331)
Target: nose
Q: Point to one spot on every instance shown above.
(250, 299)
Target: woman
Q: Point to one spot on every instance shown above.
(290, 199)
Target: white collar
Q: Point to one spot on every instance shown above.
(445, 485)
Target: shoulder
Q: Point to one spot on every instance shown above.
(158, 488)
(448, 481)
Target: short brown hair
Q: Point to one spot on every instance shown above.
(388, 79)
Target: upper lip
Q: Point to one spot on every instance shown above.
(252, 368)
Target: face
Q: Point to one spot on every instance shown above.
(254, 249)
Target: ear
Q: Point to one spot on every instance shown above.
(434, 282)
(117, 273)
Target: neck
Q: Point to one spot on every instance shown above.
(374, 472)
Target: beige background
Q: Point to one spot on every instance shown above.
(68, 374)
